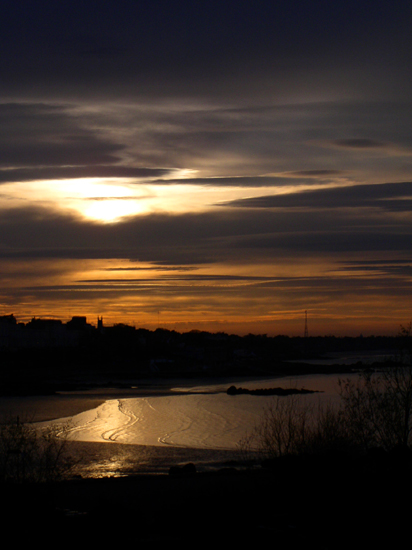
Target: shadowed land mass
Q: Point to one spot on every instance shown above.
(45, 356)
(322, 503)
(329, 487)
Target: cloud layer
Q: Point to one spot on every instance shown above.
(261, 153)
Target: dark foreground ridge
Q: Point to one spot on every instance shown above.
(314, 502)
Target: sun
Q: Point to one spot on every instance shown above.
(111, 200)
(111, 210)
(107, 201)
(97, 199)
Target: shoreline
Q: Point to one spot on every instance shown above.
(90, 394)
(103, 460)
(42, 408)
(100, 458)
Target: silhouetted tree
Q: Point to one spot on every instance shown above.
(375, 411)
(378, 406)
(31, 454)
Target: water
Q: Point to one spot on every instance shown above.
(201, 417)
(352, 357)
(200, 424)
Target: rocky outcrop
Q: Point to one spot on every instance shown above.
(187, 469)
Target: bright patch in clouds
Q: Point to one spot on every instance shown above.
(93, 198)
(96, 199)
(111, 200)
(101, 200)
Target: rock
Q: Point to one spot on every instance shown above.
(187, 469)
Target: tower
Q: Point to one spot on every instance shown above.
(306, 325)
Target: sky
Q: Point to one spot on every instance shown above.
(220, 166)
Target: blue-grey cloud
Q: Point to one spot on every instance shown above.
(389, 196)
(289, 141)
(209, 49)
(153, 267)
(359, 143)
(73, 172)
(388, 267)
(378, 262)
(39, 134)
(325, 287)
(237, 145)
(192, 239)
(256, 181)
(319, 173)
(184, 278)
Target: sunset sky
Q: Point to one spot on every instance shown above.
(222, 166)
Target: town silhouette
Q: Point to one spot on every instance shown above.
(45, 355)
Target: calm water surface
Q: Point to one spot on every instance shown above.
(200, 424)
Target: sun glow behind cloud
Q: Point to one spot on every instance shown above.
(111, 200)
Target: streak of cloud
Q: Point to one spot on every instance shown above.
(389, 196)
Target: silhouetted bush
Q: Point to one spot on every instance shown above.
(283, 429)
(290, 427)
(28, 454)
(377, 408)
(375, 412)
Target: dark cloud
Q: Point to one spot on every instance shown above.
(191, 239)
(279, 140)
(176, 278)
(377, 262)
(388, 267)
(389, 196)
(312, 243)
(242, 146)
(315, 173)
(243, 181)
(49, 135)
(335, 285)
(405, 270)
(73, 172)
(153, 267)
(201, 49)
(359, 143)
(326, 287)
